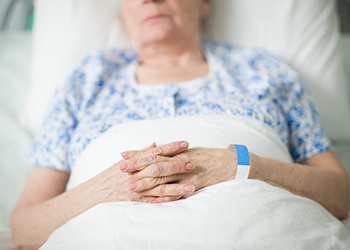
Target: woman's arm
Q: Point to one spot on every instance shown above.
(44, 205)
(321, 178)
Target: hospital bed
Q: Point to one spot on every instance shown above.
(15, 59)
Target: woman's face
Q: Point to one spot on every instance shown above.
(148, 21)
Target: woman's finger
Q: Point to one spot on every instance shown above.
(149, 183)
(153, 145)
(162, 169)
(129, 154)
(147, 199)
(169, 149)
(140, 163)
(173, 148)
(170, 190)
(165, 199)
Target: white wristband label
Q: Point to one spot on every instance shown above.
(242, 172)
(243, 162)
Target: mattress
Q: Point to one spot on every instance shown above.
(15, 55)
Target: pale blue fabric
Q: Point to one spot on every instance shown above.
(103, 92)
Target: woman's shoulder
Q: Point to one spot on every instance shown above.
(242, 53)
(95, 70)
(250, 58)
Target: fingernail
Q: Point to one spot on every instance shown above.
(155, 201)
(184, 144)
(189, 167)
(189, 188)
(123, 166)
(133, 186)
(125, 154)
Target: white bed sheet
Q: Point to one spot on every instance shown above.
(15, 51)
(240, 214)
(244, 215)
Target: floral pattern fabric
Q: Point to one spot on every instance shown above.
(103, 92)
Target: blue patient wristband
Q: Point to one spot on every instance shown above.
(243, 162)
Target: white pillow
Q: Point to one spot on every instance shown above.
(303, 33)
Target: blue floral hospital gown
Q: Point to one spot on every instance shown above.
(103, 92)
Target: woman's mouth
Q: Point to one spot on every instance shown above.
(155, 17)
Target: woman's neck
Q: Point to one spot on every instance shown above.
(165, 64)
(172, 55)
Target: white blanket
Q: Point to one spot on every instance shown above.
(245, 214)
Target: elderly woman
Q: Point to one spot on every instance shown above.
(172, 72)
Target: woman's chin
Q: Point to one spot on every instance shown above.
(157, 39)
(159, 35)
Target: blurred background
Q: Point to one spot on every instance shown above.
(344, 10)
(16, 14)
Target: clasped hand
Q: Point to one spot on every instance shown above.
(167, 173)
